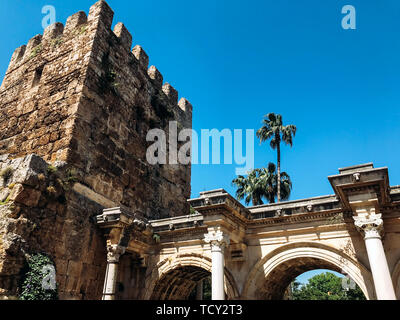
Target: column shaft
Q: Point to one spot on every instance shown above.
(372, 228)
(217, 273)
(380, 270)
(110, 281)
(218, 241)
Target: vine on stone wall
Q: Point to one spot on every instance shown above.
(38, 279)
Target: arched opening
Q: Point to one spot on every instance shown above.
(271, 276)
(175, 278)
(279, 279)
(202, 290)
(179, 283)
(323, 284)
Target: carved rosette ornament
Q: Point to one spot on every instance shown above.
(218, 240)
(371, 226)
(114, 251)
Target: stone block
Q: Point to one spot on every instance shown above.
(123, 35)
(141, 55)
(156, 76)
(53, 31)
(171, 93)
(75, 20)
(4, 193)
(100, 12)
(25, 195)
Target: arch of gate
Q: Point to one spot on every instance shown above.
(273, 273)
(189, 268)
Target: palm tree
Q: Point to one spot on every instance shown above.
(269, 178)
(249, 188)
(262, 183)
(274, 129)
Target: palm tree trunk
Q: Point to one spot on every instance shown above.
(279, 171)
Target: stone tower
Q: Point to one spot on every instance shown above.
(79, 101)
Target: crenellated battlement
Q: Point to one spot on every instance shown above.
(46, 42)
(82, 95)
(100, 19)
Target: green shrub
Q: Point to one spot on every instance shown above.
(2, 203)
(35, 51)
(71, 176)
(82, 30)
(192, 210)
(34, 277)
(51, 169)
(56, 42)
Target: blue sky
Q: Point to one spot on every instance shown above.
(303, 278)
(236, 61)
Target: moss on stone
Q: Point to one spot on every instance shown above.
(35, 51)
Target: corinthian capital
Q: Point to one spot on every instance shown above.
(217, 239)
(114, 251)
(371, 226)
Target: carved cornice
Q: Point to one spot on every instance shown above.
(122, 217)
(361, 183)
(225, 211)
(134, 229)
(394, 206)
(222, 203)
(301, 209)
(323, 215)
(174, 224)
(180, 234)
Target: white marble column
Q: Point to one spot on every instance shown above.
(114, 252)
(218, 242)
(372, 228)
(199, 290)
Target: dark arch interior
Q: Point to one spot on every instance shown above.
(279, 279)
(177, 284)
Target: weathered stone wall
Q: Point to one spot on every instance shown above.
(78, 98)
(40, 212)
(41, 91)
(121, 101)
